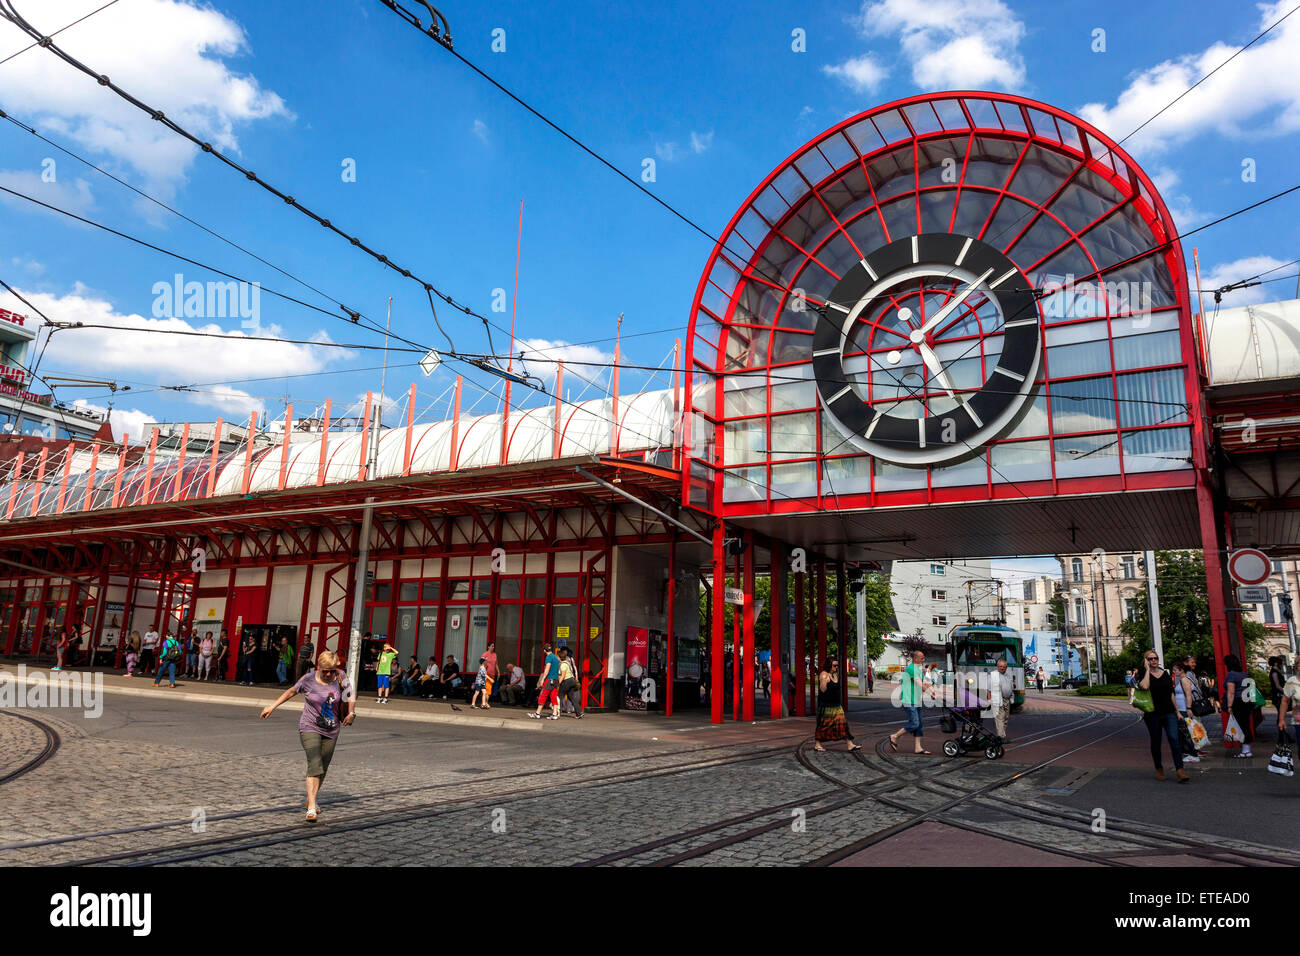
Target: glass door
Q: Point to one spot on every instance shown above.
(478, 637)
(404, 632)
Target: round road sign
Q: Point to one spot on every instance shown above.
(1249, 566)
(1033, 658)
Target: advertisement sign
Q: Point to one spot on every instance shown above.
(112, 631)
(635, 679)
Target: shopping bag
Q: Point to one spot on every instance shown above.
(1233, 733)
(1142, 701)
(1280, 762)
(1200, 736)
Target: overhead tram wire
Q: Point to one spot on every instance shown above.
(10, 12)
(58, 31)
(443, 38)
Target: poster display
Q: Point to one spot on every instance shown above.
(638, 687)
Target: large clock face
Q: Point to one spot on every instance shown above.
(927, 349)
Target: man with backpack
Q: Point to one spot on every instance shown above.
(168, 658)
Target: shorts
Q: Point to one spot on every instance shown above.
(548, 693)
(487, 688)
(384, 680)
(914, 722)
(320, 751)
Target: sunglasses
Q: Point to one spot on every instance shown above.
(327, 673)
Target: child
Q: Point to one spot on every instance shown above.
(480, 684)
(132, 658)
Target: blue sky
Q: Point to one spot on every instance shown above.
(715, 95)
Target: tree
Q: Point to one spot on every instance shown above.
(1184, 615)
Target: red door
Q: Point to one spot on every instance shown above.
(247, 606)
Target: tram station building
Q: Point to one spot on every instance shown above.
(953, 326)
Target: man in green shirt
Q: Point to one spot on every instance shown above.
(384, 671)
(914, 685)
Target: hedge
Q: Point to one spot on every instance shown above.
(1103, 690)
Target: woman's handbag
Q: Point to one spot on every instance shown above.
(1280, 763)
(1142, 701)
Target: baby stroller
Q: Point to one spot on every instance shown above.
(971, 735)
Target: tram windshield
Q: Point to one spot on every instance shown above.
(986, 654)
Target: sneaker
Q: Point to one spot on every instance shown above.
(552, 717)
(56, 668)
(1182, 777)
(535, 716)
(1242, 756)
(1191, 760)
(1160, 775)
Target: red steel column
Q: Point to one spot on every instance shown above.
(776, 626)
(716, 622)
(747, 695)
(800, 621)
(737, 641)
(821, 626)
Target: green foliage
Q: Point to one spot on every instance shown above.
(1103, 690)
(875, 593)
(1184, 616)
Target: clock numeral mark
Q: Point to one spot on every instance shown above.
(836, 397)
(916, 250)
(872, 427)
(1012, 325)
(975, 418)
(870, 271)
(836, 306)
(1002, 278)
(920, 428)
(1009, 374)
(820, 352)
(965, 247)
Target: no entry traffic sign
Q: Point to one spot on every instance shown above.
(1249, 566)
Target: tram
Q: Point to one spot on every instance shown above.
(979, 647)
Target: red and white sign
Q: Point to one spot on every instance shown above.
(11, 373)
(13, 317)
(1249, 566)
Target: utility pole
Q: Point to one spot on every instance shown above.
(359, 595)
(1287, 606)
(383, 378)
(862, 642)
(1153, 607)
(1096, 619)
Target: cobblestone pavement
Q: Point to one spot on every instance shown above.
(210, 785)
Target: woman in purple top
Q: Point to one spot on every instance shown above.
(326, 689)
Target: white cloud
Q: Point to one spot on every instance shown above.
(1181, 207)
(862, 73)
(166, 360)
(585, 362)
(1257, 94)
(1227, 273)
(74, 196)
(169, 53)
(672, 150)
(667, 151)
(123, 421)
(951, 44)
(481, 130)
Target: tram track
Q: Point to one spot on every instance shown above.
(335, 802)
(254, 839)
(52, 743)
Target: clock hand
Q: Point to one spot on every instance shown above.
(949, 308)
(936, 368)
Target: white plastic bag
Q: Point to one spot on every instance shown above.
(1233, 732)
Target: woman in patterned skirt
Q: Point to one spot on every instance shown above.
(831, 722)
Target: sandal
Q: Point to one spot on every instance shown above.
(818, 748)
(893, 745)
(853, 747)
(925, 753)
(311, 814)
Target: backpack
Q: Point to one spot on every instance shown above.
(171, 651)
